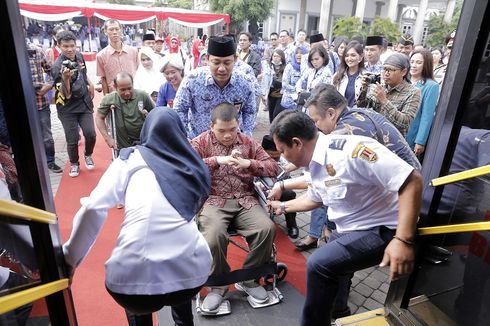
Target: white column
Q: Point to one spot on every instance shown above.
(449, 11)
(324, 17)
(361, 6)
(419, 22)
(392, 8)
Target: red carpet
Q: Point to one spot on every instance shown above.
(93, 305)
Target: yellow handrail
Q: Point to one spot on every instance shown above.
(468, 174)
(18, 299)
(454, 228)
(13, 209)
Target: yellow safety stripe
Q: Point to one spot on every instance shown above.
(13, 209)
(468, 174)
(369, 318)
(18, 299)
(454, 228)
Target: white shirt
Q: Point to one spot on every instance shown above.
(358, 179)
(157, 250)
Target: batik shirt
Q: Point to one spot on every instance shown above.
(37, 62)
(227, 183)
(289, 79)
(247, 70)
(198, 94)
(376, 69)
(364, 122)
(312, 77)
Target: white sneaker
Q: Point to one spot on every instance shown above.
(253, 289)
(74, 170)
(89, 163)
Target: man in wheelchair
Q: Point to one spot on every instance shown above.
(234, 160)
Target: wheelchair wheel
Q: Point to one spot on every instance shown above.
(281, 272)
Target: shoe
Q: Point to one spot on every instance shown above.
(342, 313)
(74, 170)
(253, 289)
(212, 301)
(302, 246)
(53, 167)
(89, 163)
(293, 232)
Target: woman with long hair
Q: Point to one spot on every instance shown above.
(339, 44)
(422, 76)
(439, 66)
(278, 65)
(292, 73)
(348, 80)
(317, 73)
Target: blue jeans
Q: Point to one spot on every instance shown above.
(71, 123)
(319, 220)
(45, 119)
(330, 268)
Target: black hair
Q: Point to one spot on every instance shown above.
(322, 52)
(224, 112)
(247, 34)
(268, 143)
(324, 97)
(111, 21)
(66, 36)
(289, 124)
(274, 33)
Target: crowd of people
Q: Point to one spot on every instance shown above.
(382, 97)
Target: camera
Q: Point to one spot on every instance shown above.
(70, 64)
(371, 78)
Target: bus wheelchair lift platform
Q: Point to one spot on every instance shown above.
(271, 273)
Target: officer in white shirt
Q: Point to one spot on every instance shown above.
(373, 196)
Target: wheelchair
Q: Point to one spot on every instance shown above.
(271, 273)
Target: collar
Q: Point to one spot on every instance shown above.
(319, 153)
(209, 80)
(126, 101)
(124, 48)
(399, 88)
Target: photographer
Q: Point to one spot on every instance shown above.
(73, 98)
(398, 100)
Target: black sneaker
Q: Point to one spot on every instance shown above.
(53, 167)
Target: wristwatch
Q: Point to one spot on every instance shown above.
(282, 205)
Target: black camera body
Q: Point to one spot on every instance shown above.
(371, 78)
(70, 64)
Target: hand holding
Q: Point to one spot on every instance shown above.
(399, 256)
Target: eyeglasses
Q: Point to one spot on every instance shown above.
(389, 70)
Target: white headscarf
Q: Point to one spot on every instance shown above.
(148, 80)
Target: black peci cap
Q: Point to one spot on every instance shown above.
(374, 40)
(317, 38)
(149, 37)
(221, 46)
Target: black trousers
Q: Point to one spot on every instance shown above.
(140, 307)
(70, 123)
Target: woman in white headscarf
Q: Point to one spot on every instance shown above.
(148, 77)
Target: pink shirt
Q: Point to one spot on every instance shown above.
(110, 62)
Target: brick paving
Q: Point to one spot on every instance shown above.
(369, 286)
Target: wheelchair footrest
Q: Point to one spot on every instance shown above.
(224, 309)
(275, 296)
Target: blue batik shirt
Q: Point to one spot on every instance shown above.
(198, 94)
(376, 69)
(369, 123)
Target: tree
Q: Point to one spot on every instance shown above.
(184, 4)
(242, 10)
(349, 27)
(438, 29)
(385, 27)
(122, 2)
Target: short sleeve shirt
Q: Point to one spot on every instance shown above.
(129, 118)
(358, 179)
(110, 62)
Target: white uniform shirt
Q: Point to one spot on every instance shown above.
(358, 179)
(157, 250)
